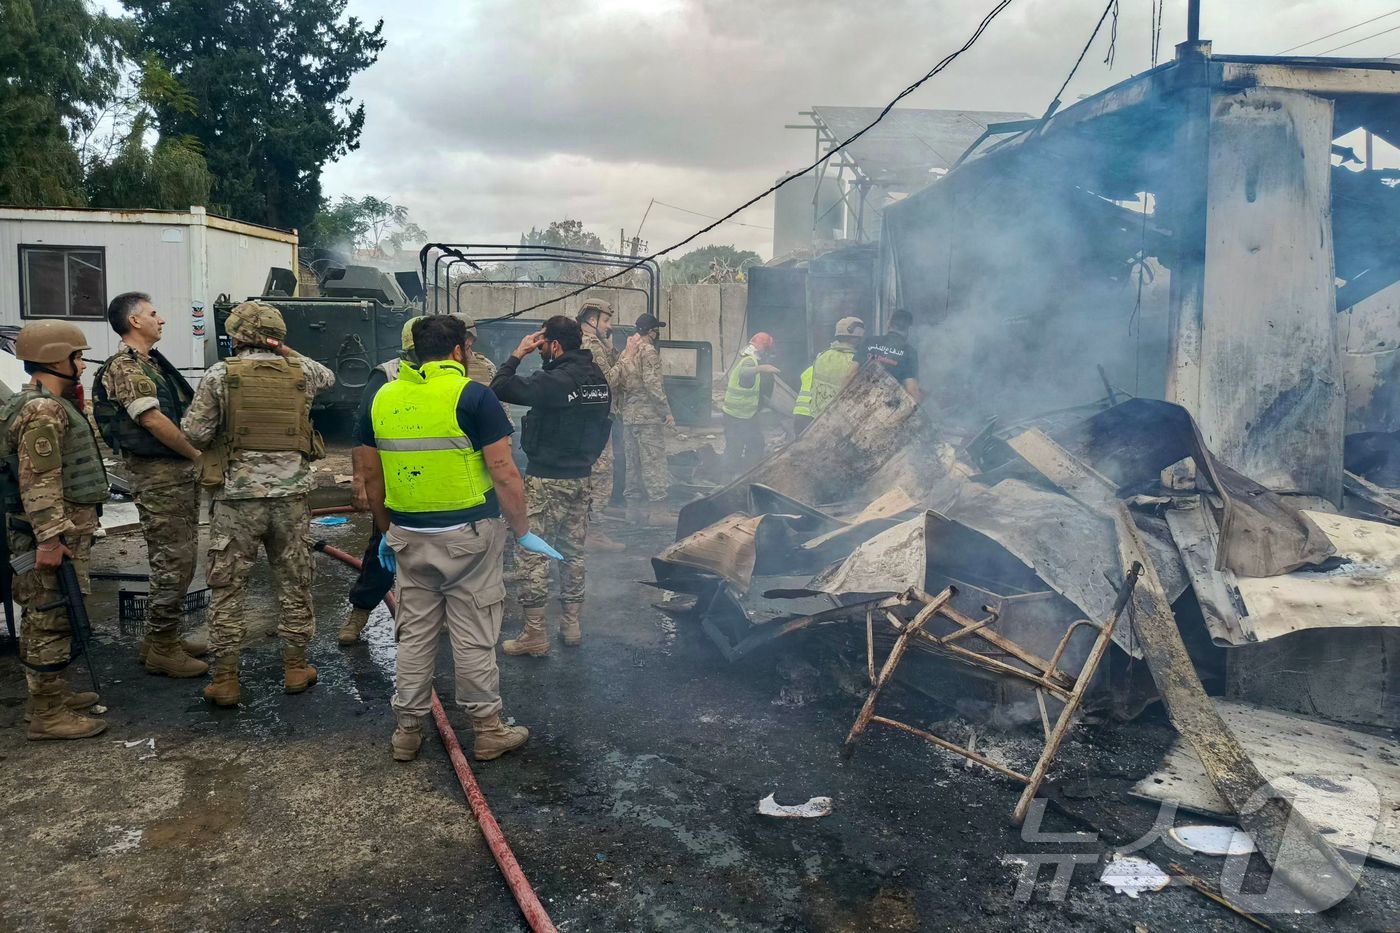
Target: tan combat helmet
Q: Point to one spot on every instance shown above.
(592, 304)
(49, 341)
(254, 323)
(466, 319)
(847, 327)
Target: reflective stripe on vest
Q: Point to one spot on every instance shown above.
(84, 476)
(741, 402)
(430, 466)
(803, 406)
(829, 375)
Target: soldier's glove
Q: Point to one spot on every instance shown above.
(387, 560)
(533, 542)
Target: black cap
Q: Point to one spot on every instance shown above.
(647, 323)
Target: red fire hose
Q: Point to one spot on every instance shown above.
(334, 510)
(530, 905)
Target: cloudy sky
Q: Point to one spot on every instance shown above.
(486, 117)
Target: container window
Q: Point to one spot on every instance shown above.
(63, 282)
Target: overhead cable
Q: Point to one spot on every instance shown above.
(1340, 31)
(1055, 103)
(1358, 41)
(995, 11)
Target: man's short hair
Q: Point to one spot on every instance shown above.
(901, 319)
(564, 330)
(435, 336)
(120, 310)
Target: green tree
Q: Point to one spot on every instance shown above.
(126, 172)
(368, 224)
(269, 81)
(709, 264)
(568, 233)
(58, 63)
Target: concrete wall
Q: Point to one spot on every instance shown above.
(708, 313)
(1370, 337)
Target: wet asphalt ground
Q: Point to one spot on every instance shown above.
(631, 808)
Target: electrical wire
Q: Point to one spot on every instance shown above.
(1055, 103)
(942, 65)
(686, 210)
(1358, 41)
(1340, 31)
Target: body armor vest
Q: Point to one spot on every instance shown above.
(123, 434)
(266, 406)
(84, 476)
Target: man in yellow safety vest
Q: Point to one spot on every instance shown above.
(835, 365)
(743, 436)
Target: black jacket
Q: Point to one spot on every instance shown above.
(569, 421)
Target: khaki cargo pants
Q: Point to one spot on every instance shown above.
(45, 637)
(452, 579)
(238, 528)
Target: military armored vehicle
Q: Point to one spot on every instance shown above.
(352, 326)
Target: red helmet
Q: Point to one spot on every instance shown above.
(761, 341)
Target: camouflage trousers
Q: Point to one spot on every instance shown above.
(647, 475)
(170, 522)
(559, 514)
(236, 529)
(602, 480)
(46, 639)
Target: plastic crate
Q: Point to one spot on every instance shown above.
(131, 609)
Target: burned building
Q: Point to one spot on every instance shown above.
(1186, 235)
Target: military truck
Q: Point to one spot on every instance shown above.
(352, 326)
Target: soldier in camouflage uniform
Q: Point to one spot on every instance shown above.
(646, 415)
(562, 435)
(139, 399)
(595, 318)
(54, 484)
(247, 411)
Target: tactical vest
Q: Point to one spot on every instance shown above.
(739, 401)
(84, 476)
(431, 471)
(829, 375)
(578, 432)
(803, 406)
(266, 406)
(123, 434)
(390, 368)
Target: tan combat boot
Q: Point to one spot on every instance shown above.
(74, 701)
(196, 646)
(354, 624)
(52, 719)
(223, 689)
(297, 675)
(599, 541)
(165, 655)
(569, 629)
(494, 738)
(532, 640)
(408, 737)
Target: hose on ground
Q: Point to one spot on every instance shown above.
(530, 906)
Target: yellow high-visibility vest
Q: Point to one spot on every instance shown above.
(803, 406)
(741, 402)
(430, 467)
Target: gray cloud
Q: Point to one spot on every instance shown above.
(488, 117)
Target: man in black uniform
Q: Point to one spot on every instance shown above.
(892, 351)
(563, 434)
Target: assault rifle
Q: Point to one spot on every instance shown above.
(70, 600)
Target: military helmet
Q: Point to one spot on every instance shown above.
(254, 323)
(466, 319)
(847, 327)
(590, 305)
(406, 335)
(49, 341)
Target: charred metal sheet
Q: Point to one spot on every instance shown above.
(1132, 443)
(725, 550)
(865, 428)
(1217, 591)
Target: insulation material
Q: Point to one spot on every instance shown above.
(1346, 783)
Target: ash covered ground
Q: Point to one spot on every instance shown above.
(631, 808)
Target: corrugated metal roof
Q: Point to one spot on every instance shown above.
(909, 144)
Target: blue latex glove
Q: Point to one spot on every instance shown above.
(386, 557)
(533, 542)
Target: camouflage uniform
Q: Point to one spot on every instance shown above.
(480, 369)
(45, 637)
(606, 356)
(167, 498)
(644, 412)
(558, 510)
(262, 500)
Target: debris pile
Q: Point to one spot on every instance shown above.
(1025, 567)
